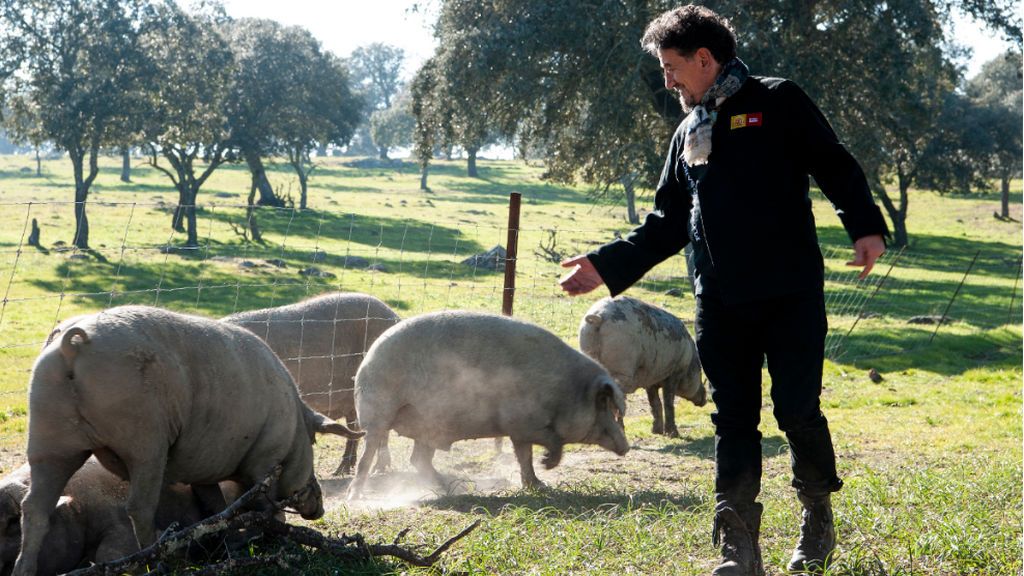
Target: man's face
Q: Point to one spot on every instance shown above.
(690, 76)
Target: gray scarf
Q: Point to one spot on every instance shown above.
(697, 126)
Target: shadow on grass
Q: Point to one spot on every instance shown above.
(192, 284)
(375, 231)
(947, 354)
(704, 447)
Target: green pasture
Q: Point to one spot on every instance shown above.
(931, 454)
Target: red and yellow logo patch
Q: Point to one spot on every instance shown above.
(744, 120)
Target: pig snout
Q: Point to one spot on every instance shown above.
(309, 501)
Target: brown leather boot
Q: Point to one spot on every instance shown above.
(737, 531)
(817, 535)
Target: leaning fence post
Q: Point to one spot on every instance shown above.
(950, 304)
(511, 249)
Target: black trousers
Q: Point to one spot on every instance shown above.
(733, 343)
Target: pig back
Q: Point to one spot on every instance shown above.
(322, 341)
(459, 374)
(640, 344)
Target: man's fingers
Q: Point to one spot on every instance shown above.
(867, 270)
(570, 262)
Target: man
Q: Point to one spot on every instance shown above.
(735, 187)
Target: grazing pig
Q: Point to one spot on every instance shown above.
(455, 375)
(643, 346)
(321, 342)
(161, 397)
(90, 523)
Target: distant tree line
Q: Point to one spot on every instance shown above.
(567, 82)
(190, 87)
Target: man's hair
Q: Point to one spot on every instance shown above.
(688, 28)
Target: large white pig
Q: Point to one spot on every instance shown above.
(160, 397)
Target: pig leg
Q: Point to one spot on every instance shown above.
(668, 390)
(147, 480)
(524, 455)
(423, 459)
(211, 499)
(655, 402)
(374, 438)
(348, 460)
(383, 457)
(49, 477)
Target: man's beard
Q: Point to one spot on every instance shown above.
(687, 107)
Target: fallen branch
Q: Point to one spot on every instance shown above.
(352, 548)
(355, 548)
(169, 544)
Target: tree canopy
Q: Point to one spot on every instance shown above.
(569, 80)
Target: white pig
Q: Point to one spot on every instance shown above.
(455, 375)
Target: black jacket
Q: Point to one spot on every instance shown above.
(751, 226)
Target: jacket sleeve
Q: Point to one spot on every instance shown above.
(835, 170)
(663, 233)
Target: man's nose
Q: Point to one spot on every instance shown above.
(670, 82)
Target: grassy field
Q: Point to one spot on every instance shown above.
(931, 455)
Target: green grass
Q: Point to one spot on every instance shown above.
(931, 455)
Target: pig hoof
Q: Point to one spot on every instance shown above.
(343, 470)
(657, 429)
(535, 485)
(672, 432)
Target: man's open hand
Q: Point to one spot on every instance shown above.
(582, 278)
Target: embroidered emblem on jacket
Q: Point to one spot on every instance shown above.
(744, 120)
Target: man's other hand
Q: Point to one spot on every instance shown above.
(865, 251)
(582, 278)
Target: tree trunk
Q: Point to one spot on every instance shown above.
(39, 163)
(177, 222)
(897, 215)
(81, 239)
(471, 163)
(423, 176)
(383, 153)
(260, 181)
(1004, 197)
(190, 213)
(298, 159)
(126, 166)
(250, 216)
(630, 193)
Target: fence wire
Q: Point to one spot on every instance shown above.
(418, 266)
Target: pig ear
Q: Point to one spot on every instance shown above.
(610, 391)
(593, 319)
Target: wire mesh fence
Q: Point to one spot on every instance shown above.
(418, 264)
